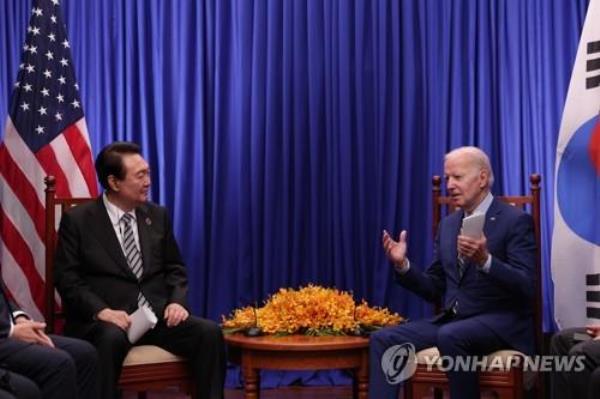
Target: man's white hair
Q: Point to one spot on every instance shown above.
(477, 157)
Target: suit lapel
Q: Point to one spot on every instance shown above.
(491, 217)
(103, 229)
(144, 222)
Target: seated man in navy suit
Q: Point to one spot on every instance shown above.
(34, 365)
(485, 283)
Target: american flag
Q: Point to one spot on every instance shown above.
(45, 134)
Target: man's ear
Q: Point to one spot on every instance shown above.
(484, 177)
(113, 183)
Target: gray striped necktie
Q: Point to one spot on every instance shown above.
(132, 254)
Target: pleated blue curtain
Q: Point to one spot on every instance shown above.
(285, 135)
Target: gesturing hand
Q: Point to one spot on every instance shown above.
(31, 331)
(395, 250)
(117, 317)
(175, 314)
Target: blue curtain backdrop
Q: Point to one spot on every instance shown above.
(285, 135)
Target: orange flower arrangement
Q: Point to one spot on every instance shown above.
(311, 310)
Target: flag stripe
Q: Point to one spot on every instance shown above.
(18, 216)
(18, 248)
(593, 65)
(592, 296)
(24, 191)
(80, 147)
(593, 313)
(592, 279)
(24, 158)
(17, 283)
(70, 167)
(47, 159)
(592, 82)
(593, 47)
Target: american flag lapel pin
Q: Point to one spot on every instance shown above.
(148, 221)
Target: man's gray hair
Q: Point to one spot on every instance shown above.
(478, 158)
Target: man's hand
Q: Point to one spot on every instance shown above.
(117, 317)
(175, 314)
(21, 319)
(395, 250)
(31, 331)
(474, 249)
(593, 330)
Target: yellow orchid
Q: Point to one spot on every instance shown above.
(310, 310)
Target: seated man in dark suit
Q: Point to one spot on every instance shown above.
(35, 365)
(118, 253)
(580, 382)
(486, 283)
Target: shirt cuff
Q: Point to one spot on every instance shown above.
(402, 269)
(14, 317)
(18, 313)
(487, 265)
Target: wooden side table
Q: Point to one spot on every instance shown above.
(299, 352)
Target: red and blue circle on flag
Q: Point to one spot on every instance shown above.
(578, 182)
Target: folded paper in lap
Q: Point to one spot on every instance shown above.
(142, 320)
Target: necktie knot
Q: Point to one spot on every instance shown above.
(127, 218)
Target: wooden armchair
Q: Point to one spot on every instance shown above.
(505, 384)
(146, 367)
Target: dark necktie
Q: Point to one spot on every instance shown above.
(132, 254)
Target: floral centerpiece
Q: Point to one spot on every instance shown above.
(311, 310)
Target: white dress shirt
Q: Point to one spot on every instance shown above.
(115, 214)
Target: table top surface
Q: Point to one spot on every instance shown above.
(301, 343)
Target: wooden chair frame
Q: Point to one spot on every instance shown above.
(506, 384)
(140, 377)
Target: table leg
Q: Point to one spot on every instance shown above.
(361, 378)
(251, 383)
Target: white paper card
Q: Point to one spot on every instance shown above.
(142, 320)
(473, 225)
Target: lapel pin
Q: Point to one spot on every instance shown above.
(148, 221)
(493, 218)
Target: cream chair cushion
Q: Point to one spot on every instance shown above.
(148, 354)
